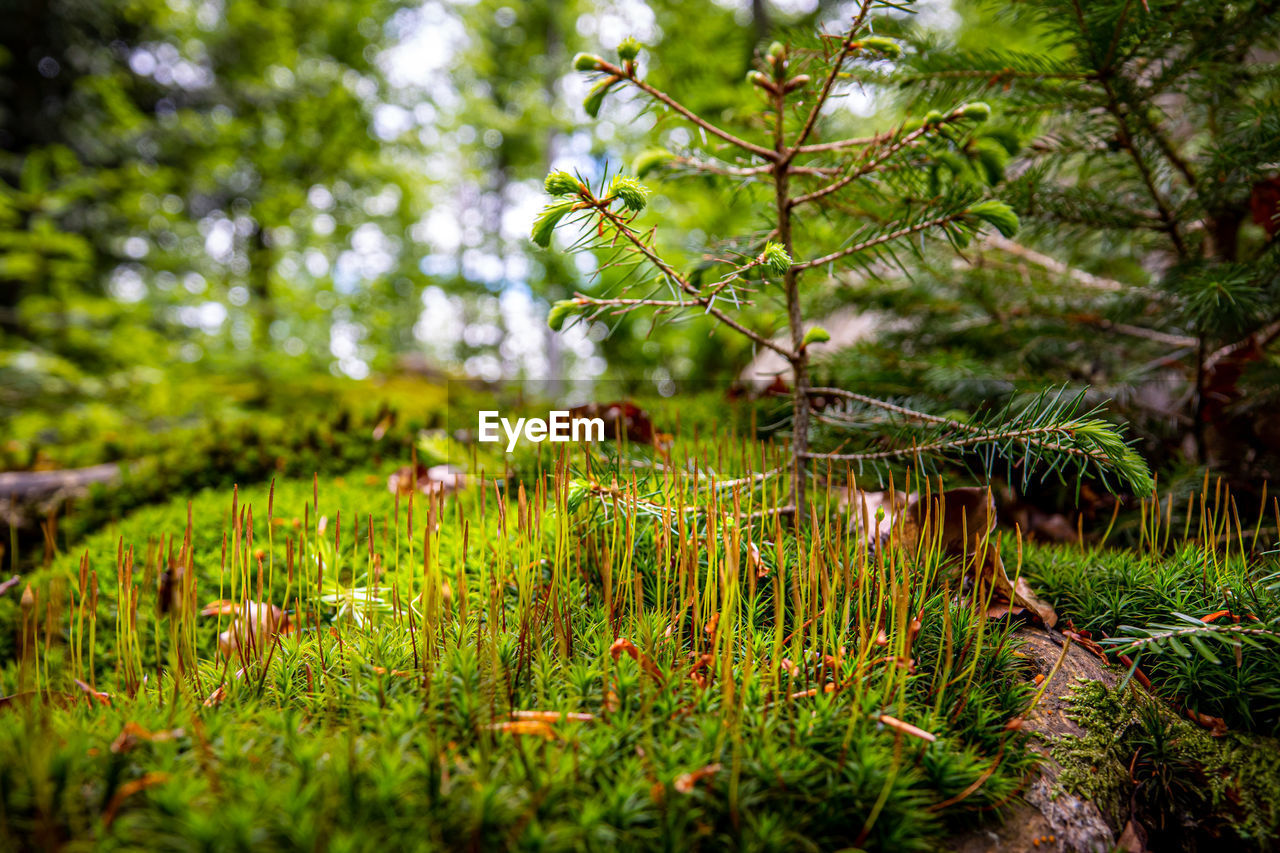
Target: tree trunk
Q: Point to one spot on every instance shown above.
(795, 322)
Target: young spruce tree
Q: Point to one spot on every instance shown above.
(830, 204)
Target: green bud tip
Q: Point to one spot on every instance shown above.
(797, 82)
(628, 50)
(776, 258)
(977, 111)
(587, 62)
(777, 51)
(547, 221)
(816, 335)
(634, 195)
(595, 98)
(560, 311)
(887, 47)
(997, 214)
(562, 183)
(650, 160)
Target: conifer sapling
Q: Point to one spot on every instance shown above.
(877, 191)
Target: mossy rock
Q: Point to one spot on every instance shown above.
(1124, 770)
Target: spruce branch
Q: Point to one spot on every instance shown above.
(628, 75)
(1128, 142)
(1048, 434)
(647, 251)
(1158, 638)
(632, 195)
(847, 46)
(906, 141)
(1153, 132)
(881, 239)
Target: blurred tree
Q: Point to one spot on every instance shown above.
(500, 117)
(188, 181)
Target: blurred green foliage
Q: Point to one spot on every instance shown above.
(185, 190)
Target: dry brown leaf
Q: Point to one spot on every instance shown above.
(1219, 614)
(686, 782)
(622, 644)
(813, 691)
(1216, 725)
(622, 418)
(127, 790)
(1086, 643)
(436, 480)
(863, 506)
(1264, 204)
(959, 522)
(254, 626)
(134, 732)
(94, 695)
(702, 670)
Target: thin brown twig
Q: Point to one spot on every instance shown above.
(880, 240)
(1053, 265)
(907, 141)
(659, 95)
(1262, 338)
(683, 283)
(847, 46)
(1024, 436)
(841, 144)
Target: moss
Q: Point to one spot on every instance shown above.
(331, 745)
(1107, 591)
(1218, 786)
(354, 498)
(1240, 769)
(538, 634)
(1091, 766)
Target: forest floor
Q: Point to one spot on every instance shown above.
(586, 651)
